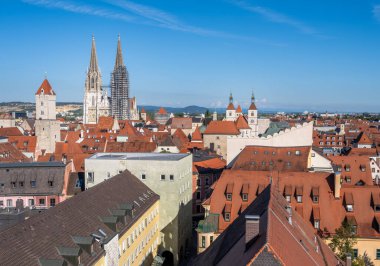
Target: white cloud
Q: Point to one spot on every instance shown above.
(275, 17)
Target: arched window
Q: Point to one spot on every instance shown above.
(92, 82)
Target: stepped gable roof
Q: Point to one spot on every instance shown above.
(260, 158)
(238, 109)
(230, 106)
(222, 128)
(24, 143)
(196, 136)
(364, 139)
(162, 111)
(241, 123)
(278, 241)
(39, 236)
(45, 88)
(10, 131)
(10, 154)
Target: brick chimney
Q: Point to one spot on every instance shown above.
(252, 227)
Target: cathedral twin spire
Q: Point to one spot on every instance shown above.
(119, 55)
(94, 59)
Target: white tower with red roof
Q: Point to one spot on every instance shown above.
(252, 116)
(47, 128)
(231, 111)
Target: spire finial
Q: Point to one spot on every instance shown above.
(253, 97)
(231, 98)
(93, 58)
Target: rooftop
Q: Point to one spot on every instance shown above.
(32, 164)
(139, 156)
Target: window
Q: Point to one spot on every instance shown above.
(211, 239)
(42, 202)
(50, 183)
(378, 254)
(162, 177)
(377, 208)
(198, 195)
(90, 177)
(207, 182)
(350, 207)
(1, 203)
(203, 244)
(355, 253)
(33, 183)
(229, 196)
(299, 198)
(171, 177)
(315, 199)
(21, 183)
(316, 224)
(298, 153)
(13, 184)
(227, 216)
(289, 153)
(31, 202)
(52, 202)
(245, 197)
(198, 182)
(143, 176)
(321, 143)
(348, 179)
(287, 197)
(9, 203)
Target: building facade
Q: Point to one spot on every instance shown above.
(170, 176)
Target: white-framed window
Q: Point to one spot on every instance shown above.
(162, 177)
(90, 177)
(316, 224)
(350, 207)
(143, 176)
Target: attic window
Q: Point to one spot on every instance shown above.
(245, 197)
(227, 216)
(288, 193)
(13, 184)
(349, 201)
(229, 196)
(289, 153)
(315, 194)
(362, 168)
(298, 153)
(347, 168)
(50, 182)
(299, 193)
(348, 179)
(33, 183)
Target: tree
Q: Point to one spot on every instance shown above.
(363, 260)
(207, 114)
(344, 240)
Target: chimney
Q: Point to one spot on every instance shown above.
(289, 210)
(252, 227)
(348, 260)
(337, 185)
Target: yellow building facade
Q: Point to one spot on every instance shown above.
(138, 245)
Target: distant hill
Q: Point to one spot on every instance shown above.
(193, 109)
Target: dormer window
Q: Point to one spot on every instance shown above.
(13, 184)
(349, 201)
(347, 168)
(227, 216)
(348, 179)
(362, 168)
(288, 193)
(33, 183)
(227, 212)
(245, 197)
(50, 183)
(299, 193)
(315, 194)
(339, 168)
(229, 196)
(298, 153)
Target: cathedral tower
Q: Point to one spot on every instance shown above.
(96, 102)
(120, 87)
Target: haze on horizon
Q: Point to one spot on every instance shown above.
(314, 55)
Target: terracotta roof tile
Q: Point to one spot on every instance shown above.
(221, 128)
(241, 123)
(10, 131)
(196, 136)
(162, 111)
(45, 88)
(238, 109)
(230, 106)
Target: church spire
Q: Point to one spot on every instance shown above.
(252, 97)
(231, 98)
(94, 59)
(119, 55)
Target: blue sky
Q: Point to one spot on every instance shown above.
(298, 55)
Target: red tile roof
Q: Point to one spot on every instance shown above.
(271, 158)
(10, 154)
(196, 136)
(10, 131)
(238, 109)
(231, 106)
(105, 122)
(365, 140)
(181, 122)
(252, 107)
(162, 111)
(24, 143)
(45, 88)
(241, 123)
(221, 128)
